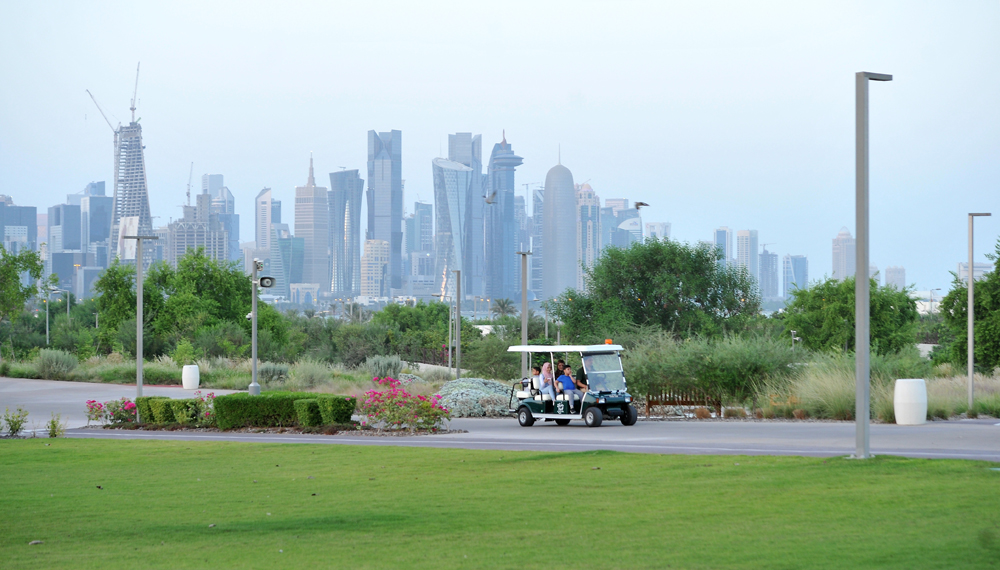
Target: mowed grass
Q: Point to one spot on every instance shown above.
(333, 506)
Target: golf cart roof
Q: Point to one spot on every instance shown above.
(565, 348)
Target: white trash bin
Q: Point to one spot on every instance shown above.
(910, 402)
(191, 378)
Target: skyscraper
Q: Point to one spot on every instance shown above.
(768, 274)
(452, 182)
(658, 230)
(723, 239)
(346, 188)
(18, 225)
(312, 224)
(267, 211)
(467, 150)
(223, 205)
(385, 198)
(503, 268)
(375, 268)
(746, 252)
(895, 276)
(559, 233)
(844, 251)
(588, 231)
(795, 273)
(873, 273)
(64, 228)
(131, 197)
(423, 215)
(95, 221)
(199, 228)
(537, 247)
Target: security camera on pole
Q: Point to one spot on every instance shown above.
(265, 282)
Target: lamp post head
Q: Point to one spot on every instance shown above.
(971, 215)
(875, 76)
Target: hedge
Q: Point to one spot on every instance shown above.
(337, 409)
(163, 412)
(277, 409)
(307, 412)
(145, 412)
(185, 410)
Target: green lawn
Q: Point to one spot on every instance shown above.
(331, 506)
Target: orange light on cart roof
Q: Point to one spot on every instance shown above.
(607, 341)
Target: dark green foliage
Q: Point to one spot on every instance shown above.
(270, 409)
(13, 294)
(307, 413)
(185, 411)
(336, 409)
(145, 411)
(488, 358)
(954, 309)
(823, 316)
(163, 411)
(671, 285)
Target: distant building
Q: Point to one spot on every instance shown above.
(18, 225)
(895, 277)
(64, 228)
(795, 273)
(131, 193)
(267, 211)
(452, 181)
(616, 204)
(768, 274)
(385, 198)
(844, 250)
(503, 267)
(559, 233)
(312, 217)
(746, 252)
(723, 239)
(224, 205)
(873, 273)
(979, 268)
(537, 246)
(658, 230)
(198, 228)
(467, 150)
(375, 269)
(588, 231)
(346, 190)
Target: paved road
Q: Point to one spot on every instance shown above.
(965, 439)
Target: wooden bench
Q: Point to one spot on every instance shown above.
(682, 398)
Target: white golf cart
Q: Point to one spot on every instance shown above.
(606, 395)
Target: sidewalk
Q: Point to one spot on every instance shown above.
(42, 398)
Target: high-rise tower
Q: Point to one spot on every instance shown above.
(746, 252)
(796, 274)
(503, 268)
(466, 149)
(844, 265)
(588, 231)
(312, 217)
(385, 198)
(346, 188)
(559, 233)
(452, 181)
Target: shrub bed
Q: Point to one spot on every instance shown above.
(307, 412)
(163, 412)
(145, 411)
(337, 409)
(277, 409)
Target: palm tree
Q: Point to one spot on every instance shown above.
(503, 308)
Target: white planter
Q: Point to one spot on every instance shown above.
(910, 402)
(191, 377)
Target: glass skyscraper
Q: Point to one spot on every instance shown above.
(795, 273)
(559, 233)
(385, 198)
(452, 183)
(503, 268)
(344, 198)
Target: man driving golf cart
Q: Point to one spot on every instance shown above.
(596, 392)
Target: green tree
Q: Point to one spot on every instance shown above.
(823, 316)
(503, 308)
(667, 284)
(13, 291)
(954, 309)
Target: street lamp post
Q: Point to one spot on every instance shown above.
(458, 323)
(862, 299)
(450, 327)
(524, 310)
(972, 309)
(138, 317)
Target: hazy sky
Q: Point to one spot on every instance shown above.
(715, 113)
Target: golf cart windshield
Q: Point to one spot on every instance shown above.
(604, 372)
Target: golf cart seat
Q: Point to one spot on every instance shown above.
(562, 397)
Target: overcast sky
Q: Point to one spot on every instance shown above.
(715, 113)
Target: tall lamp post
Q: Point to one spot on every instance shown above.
(524, 310)
(256, 281)
(458, 323)
(862, 298)
(972, 309)
(450, 326)
(138, 316)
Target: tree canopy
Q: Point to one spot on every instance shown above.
(13, 291)
(671, 285)
(823, 316)
(954, 309)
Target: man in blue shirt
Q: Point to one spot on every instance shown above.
(569, 386)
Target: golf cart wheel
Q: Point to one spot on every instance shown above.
(593, 417)
(630, 416)
(562, 422)
(524, 417)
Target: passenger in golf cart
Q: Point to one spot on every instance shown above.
(602, 395)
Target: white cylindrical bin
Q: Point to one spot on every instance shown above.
(191, 378)
(910, 402)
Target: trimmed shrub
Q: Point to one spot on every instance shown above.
(270, 409)
(55, 364)
(163, 412)
(307, 412)
(337, 409)
(185, 411)
(145, 412)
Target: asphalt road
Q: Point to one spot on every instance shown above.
(963, 439)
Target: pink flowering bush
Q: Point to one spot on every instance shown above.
(392, 407)
(95, 412)
(205, 408)
(119, 411)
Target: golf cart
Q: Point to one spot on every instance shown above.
(606, 395)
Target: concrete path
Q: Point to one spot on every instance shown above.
(42, 398)
(964, 439)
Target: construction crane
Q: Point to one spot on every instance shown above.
(190, 175)
(764, 245)
(135, 91)
(102, 111)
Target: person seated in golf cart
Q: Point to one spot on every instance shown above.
(545, 384)
(569, 387)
